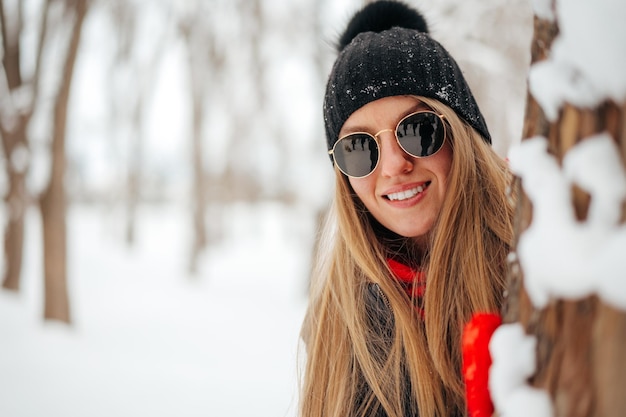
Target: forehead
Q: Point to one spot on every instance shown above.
(381, 114)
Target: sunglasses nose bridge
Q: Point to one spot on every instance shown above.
(382, 131)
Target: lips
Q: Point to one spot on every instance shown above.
(407, 193)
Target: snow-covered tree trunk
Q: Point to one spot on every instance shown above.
(567, 278)
(16, 109)
(53, 201)
(16, 200)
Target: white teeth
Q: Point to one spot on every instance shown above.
(403, 195)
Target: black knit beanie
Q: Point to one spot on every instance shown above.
(386, 51)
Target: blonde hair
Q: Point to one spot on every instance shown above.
(350, 370)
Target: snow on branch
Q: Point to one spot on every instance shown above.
(587, 62)
(561, 256)
(513, 355)
(544, 9)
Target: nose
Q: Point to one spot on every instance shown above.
(393, 160)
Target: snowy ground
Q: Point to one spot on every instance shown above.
(147, 339)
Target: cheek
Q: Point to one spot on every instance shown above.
(363, 187)
(443, 164)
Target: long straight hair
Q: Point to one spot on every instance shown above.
(419, 367)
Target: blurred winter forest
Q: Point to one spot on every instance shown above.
(209, 108)
(203, 104)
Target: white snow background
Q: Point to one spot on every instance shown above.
(147, 339)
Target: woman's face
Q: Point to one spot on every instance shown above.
(405, 194)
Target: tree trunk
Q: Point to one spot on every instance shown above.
(145, 72)
(206, 65)
(14, 124)
(54, 201)
(199, 185)
(14, 233)
(198, 194)
(581, 360)
(134, 171)
(16, 202)
(13, 132)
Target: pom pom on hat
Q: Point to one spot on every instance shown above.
(381, 16)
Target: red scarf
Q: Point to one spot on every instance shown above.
(412, 281)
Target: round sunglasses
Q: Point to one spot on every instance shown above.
(419, 134)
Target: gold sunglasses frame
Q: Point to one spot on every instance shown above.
(395, 132)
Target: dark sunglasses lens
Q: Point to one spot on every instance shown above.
(421, 134)
(356, 155)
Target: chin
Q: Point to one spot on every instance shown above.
(416, 231)
(410, 233)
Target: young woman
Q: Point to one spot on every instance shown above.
(420, 226)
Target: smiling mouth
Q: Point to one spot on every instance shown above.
(406, 194)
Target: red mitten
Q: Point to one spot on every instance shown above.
(476, 362)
